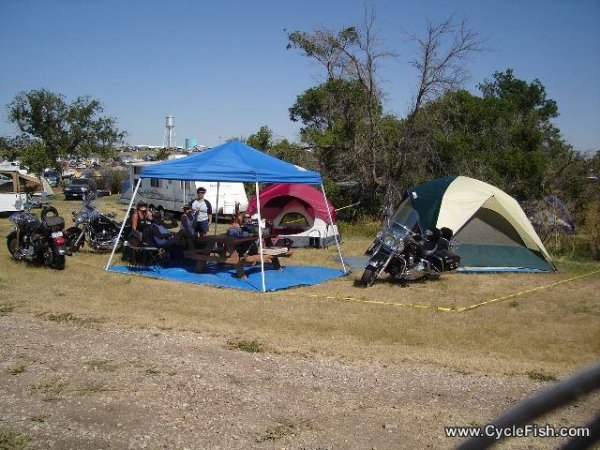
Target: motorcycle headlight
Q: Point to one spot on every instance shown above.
(389, 240)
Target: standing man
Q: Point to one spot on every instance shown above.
(203, 212)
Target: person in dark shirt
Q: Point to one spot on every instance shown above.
(186, 229)
(141, 220)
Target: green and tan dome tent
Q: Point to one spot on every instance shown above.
(493, 231)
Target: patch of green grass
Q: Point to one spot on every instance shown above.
(246, 346)
(6, 309)
(13, 440)
(284, 429)
(365, 227)
(541, 376)
(93, 388)
(233, 379)
(53, 387)
(101, 366)
(69, 318)
(513, 304)
(582, 309)
(15, 370)
(152, 371)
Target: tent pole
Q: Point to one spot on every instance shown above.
(335, 235)
(260, 241)
(217, 207)
(137, 186)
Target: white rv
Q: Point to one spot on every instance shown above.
(171, 195)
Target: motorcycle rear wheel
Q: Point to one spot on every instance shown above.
(57, 262)
(12, 243)
(368, 277)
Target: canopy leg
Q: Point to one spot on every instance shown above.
(335, 235)
(112, 254)
(260, 240)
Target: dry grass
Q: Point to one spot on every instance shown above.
(551, 331)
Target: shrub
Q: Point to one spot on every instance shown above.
(591, 227)
(112, 179)
(363, 227)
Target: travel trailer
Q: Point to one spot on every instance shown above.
(171, 195)
(14, 188)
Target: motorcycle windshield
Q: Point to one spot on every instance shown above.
(88, 211)
(82, 216)
(405, 219)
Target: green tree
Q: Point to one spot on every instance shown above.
(337, 126)
(344, 118)
(64, 128)
(35, 157)
(162, 154)
(11, 148)
(262, 139)
(504, 137)
(342, 115)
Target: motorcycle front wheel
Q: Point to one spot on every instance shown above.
(12, 243)
(72, 236)
(368, 277)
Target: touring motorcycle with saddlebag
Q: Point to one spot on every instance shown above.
(36, 240)
(99, 230)
(405, 254)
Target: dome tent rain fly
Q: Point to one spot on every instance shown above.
(493, 232)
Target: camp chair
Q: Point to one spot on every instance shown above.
(140, 251)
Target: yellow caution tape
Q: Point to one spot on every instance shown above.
(448, 309)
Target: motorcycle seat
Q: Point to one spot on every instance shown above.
(428, 248)
(55, 222)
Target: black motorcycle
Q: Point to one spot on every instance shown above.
(36, 240)
(99, 230)
(405, 254)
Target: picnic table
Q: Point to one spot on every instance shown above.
(234, 251)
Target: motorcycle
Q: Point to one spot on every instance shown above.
(36, 240)
(405, 254)
(98, 229)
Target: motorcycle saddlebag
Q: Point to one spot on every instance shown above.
(445, 261)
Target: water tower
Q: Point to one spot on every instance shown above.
(169, 140)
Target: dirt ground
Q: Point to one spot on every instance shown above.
(74, 386)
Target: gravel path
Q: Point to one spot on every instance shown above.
(101, 387)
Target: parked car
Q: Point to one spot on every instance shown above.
(80, 187)
(52, 176)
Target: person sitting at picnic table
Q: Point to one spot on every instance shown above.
(248, 228)
(163, 238)
(141, 220)
(203, 212)
(235, 230)
(186, 230)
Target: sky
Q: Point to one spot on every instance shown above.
(221, 68)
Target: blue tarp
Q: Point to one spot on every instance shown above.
(232, 161)
(218, 276)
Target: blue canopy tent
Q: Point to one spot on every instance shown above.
(233, 162)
